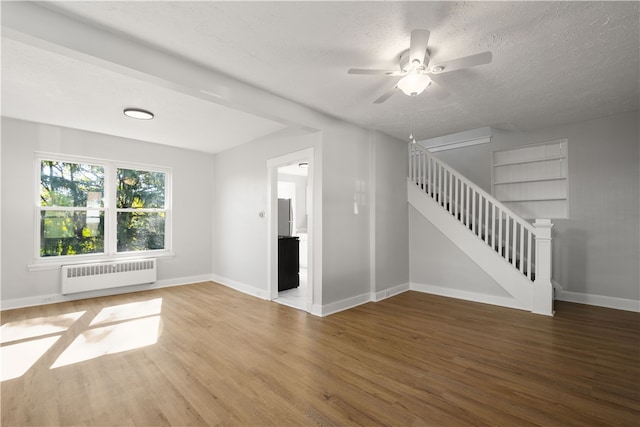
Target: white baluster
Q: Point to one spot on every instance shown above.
(445, 180)
(429, 183)
(474, 221)
(506, 238)
(462, 204)
(480, 214)
(486, 221)
(450, 192)
(529, 255)
(440, 184)
(436, 185)
(425, 179)
(514, 242)
(521, 257)
(500, 245)
(420, 166)
(493, 226)
(466, 204)
(456, 198)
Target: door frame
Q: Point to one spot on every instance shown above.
(306, 155)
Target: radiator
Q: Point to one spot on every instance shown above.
(105, 275)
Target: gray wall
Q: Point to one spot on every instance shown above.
(596, 251)
(345, 230)
(344, 153)
(240, 193)
(192, 188)
(437, 261)
(216, 200)
(391, 232)
(240, 240)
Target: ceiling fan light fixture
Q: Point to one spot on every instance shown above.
(414, 83)
(137, 113)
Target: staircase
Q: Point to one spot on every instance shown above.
(515, 253)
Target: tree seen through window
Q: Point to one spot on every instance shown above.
(75, 218)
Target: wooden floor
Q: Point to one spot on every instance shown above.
(208, 355)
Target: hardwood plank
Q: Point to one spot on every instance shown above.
(225, 358)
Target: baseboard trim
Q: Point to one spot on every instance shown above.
(599, 300)
(467, 296)
(316, 310)
(344, 304)
(56, 298)
(241, 287)
(387, 293)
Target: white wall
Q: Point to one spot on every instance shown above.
(596, 251)
(240, 193)
(437, 262)
(343, 154)
(346, 204)
(192, 189)
(390, 237)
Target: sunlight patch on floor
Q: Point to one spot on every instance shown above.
(40, 326)
(18, 358)
(134, 310)
(97, 342)
(113, 330)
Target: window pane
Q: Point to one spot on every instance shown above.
(71, 233)
(140, 231)
(140, 189)
(71, 184)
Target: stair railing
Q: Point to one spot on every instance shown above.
(512, 237)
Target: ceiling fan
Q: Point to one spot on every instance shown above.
(415, 69)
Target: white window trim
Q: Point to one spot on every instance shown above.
(110, 254)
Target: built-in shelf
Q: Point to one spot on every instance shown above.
(549, 199)
(522, 162)
(530, 180)
(533, 179)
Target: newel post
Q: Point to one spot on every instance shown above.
(542, 287)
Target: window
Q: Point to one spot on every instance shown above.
(532, 180)
(91, 207)
(140, 210)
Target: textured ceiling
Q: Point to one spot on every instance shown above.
(553, 62)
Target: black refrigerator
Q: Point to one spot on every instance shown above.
(288, 248)
(288, 263)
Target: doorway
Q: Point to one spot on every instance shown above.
(290, 230)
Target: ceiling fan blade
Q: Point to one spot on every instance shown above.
(418, 47)
(365, 71)
(385, 96)
(437, 90)
(460, 63)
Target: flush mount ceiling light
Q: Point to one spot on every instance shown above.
(414, 83)
(137, 113)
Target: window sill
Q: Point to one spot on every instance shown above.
(43, 265)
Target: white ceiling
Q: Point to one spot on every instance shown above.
(50, 88)
(553, 63)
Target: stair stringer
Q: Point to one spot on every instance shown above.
(507, 276)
